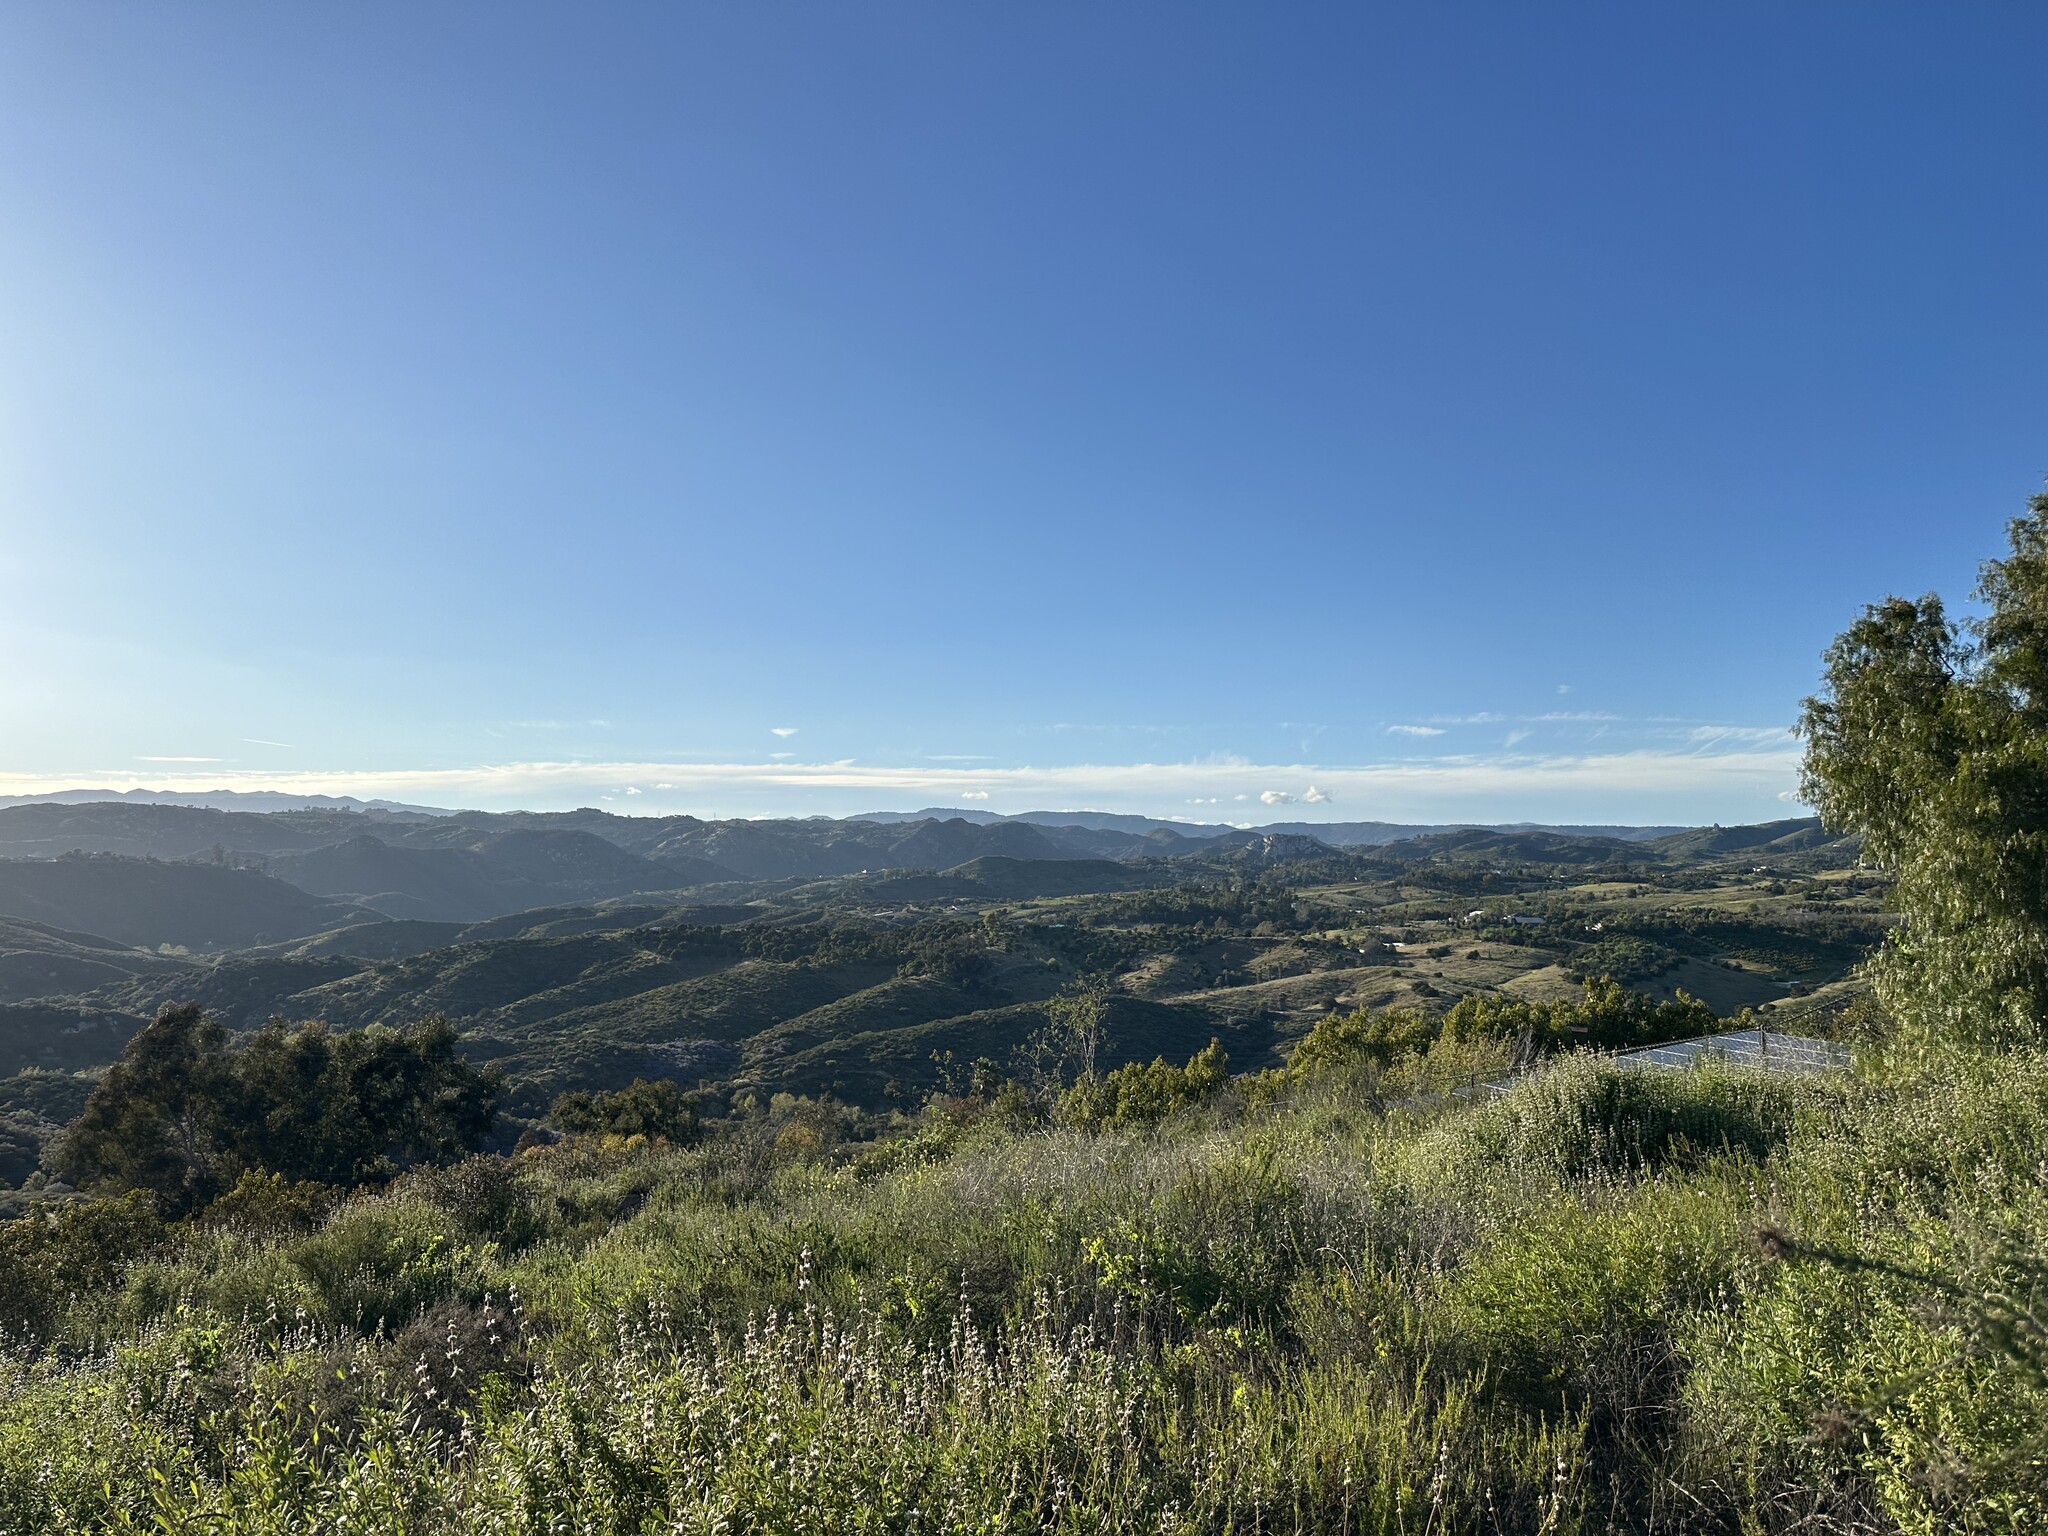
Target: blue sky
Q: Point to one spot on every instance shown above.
(1457, 411)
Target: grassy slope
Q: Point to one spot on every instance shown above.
(1543, 1314)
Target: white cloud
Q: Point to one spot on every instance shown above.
(147, 759)
(1515, 738)
(781, 757)
(664, 785)
(1414, 730)
(258, 741)
(973, 794)
(1724, 779)
(1317, 797)
(1277, 797)
(784, 731)
(632, 789)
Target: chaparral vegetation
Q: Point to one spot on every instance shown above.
(1293, 1188)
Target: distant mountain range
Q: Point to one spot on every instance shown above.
(1337, 834)
(222, 800)
(149, 873)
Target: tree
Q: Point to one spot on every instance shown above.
(155, 1122)
(642, 1108)
(185, 1113)
(1079, 1022)
(359, 1106)
(1930, 739)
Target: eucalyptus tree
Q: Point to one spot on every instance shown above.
(1930, 739)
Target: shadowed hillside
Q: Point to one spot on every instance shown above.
(143, 902)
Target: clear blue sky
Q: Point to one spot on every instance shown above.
(1469, 411)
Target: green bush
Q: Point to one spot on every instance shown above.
(1582, 1116)
(1362, 1038)
(1140, 1094)
(382, 1263)
(1606, 1016)
(642, 1108)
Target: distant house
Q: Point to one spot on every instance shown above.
(1526, 921)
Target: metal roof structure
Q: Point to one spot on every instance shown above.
(1760, 1048)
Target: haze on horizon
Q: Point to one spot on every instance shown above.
(1416, 414)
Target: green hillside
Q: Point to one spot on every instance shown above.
(37, 960)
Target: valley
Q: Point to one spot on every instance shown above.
(862, 961)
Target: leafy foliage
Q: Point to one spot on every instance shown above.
(1930, 739)
(1605, 1015)
(1378, 1038)
(1138, 1093)
(657, 1109)
(185, 1112)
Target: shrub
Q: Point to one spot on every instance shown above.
(651, 1109)
(1344, 1040)
(1138, 1094)
(1583, 1117)
(54, 1252)
(382, 1263)
(271, 1203)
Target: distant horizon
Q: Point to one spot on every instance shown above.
(1658, 772)
(1249, 812)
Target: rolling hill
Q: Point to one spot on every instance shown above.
(147, 903)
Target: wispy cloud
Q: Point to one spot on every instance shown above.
(1714, 735)
(958, 757)
(1277, 797)
(146, 758)
(973, 794)
(784, 731)
(1415, 730)
(258, 741)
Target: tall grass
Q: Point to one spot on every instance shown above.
(1549, 1312)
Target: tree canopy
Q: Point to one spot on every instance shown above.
(186, 1110)
(1930, 739)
